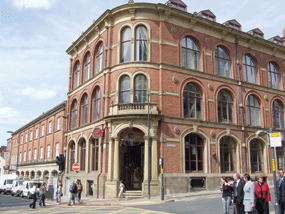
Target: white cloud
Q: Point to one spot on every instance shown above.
(6, 112)
(33, 4)
(38, 94)
(11, 116)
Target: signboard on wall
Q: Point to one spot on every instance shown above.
(276, 139)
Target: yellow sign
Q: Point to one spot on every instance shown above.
(273, 165)
(162, 171)
(275, 134)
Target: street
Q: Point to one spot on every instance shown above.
(205, 204)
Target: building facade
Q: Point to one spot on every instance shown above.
(210, 86)
(37, 144)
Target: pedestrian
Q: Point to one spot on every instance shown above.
(262, 196)
(238, 193)
(80, 188)
(281, 192)
(121, 193)
(227, 195)
(249, 198)
(34, 196)
(43, 192)
(73, 193)
(59, 193)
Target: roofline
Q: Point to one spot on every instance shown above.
(45, 115)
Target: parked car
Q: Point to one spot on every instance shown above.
(17, 187)
(6, 182)
(27, 188)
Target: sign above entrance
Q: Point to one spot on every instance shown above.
(75, 166)
(97, 133)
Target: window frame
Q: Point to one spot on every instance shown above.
(138, 43)
(48, 151)
(96, 103)
(196, 63)
(229, 104)
(226, 146)
(260, 163)
(74, 114)
(82, 153)
(95, 155)
(128, 42)
(127, 91)
(223, 60)
(250, 108)
(72, 155)
(76, 75)
(277, 111)
(196, 150)
(275, 73)
(249, 68)
(140, 92)
(196, 98)
(99, 58)
(84, 109)
(87, 60)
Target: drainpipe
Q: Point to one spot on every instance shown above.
(104, 98)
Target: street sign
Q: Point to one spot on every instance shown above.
(97, 133)
(75, 166)
(275, 139)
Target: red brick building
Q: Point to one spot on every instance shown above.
(40, 141)
(213, 86)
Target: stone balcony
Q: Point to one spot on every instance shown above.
(132, 109)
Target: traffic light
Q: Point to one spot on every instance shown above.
(60, 161)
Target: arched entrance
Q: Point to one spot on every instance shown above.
(132, 158)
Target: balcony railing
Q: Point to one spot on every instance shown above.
(132, 108)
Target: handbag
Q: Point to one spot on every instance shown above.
(61, 194)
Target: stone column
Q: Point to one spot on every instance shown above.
(87, 160)
(67, 159)
(110, 160)
(100, 154)
(145, 177)
(50, 178)
(154, 159)
(116, 160)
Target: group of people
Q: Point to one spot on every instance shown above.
(42, 192)
(246, 196)
(75, 190)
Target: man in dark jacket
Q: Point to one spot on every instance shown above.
(238, 193)
(43, 192)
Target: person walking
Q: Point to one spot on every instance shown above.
(73, 193)
(249, 199)
(262, 196)
(59, 193)
(34, 196)
(227, 195)
(279, 190)
(43, 192)
(121, 193)
(238, 193)
(80, 188)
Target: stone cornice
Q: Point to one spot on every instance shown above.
(56, 109)
(180, 18)
(37, 163)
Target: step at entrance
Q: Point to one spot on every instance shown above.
(133, 194)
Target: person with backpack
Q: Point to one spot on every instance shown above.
(73, 193)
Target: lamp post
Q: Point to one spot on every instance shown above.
(262, 133)
(149, 169)
(11, 132)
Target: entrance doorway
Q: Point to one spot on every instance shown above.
(132, 162)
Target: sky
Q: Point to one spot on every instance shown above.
(34, 35)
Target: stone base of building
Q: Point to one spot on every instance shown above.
(154, 188)
(112, 188)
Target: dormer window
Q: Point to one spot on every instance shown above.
(233, 24)
(207, 14)
(178, 5)
(277, 40)
(256, 32)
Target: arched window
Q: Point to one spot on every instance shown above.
(278, 114)
(87, 67)
(273, 75)
(84, 107)
(225, 107)
(140, 89)
(192, 101)
(141, 42)
(249, 69)
(256, 156)
(76, 75)
(99, 58)
(253, 111)
(125, 89)
(193, 153)
(95, 155)
(82, 155)
(228, 157)
(126, 45)
(72, 155)
(190, 53)
(222, 62)
(96, 104)
(74, 115)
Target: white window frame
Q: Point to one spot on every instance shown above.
(30, 155)
(37, 133)
(41, 152)
(56, 149)
(43, 130)
(48, 151)
(26, 138)
(25, 156)
(20, 157)
(58, 123)
(31, 135)
(35, 154)
(49, 127)
(22, 139)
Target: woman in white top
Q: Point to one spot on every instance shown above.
(34, 196)
(249, 198)
(122, 186)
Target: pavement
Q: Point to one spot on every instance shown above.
(91, 201)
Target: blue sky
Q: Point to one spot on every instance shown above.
(35, 34)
